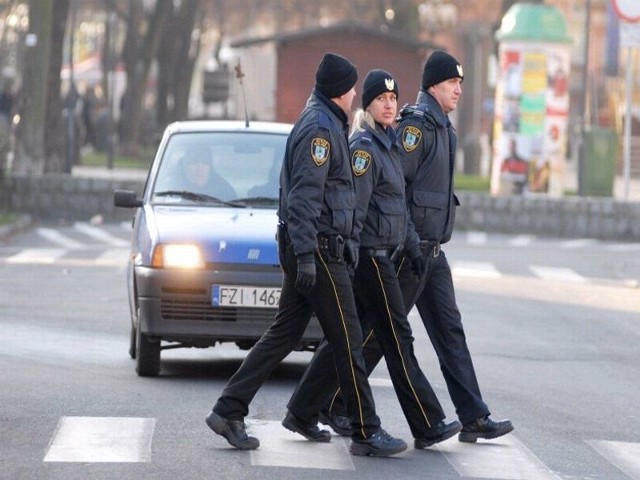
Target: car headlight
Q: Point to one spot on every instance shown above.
(177, 256)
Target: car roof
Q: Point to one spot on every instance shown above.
(227, 126)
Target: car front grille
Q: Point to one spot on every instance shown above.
(198, 310)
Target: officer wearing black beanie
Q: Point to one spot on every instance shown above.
(316, 235)
(428, 152)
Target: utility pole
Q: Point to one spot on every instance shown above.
(584, 101)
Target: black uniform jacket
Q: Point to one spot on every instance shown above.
(317, 193)
(382, 219)
(427, 143)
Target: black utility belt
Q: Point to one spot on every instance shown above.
(392, 252)
(332, 246)
(431, 249)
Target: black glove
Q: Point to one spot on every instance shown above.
(351, 254)
(418, 266)
(306, 275)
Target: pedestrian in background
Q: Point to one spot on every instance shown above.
(428, 146)
(315, 240)
(382, 225)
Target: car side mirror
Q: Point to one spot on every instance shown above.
(126, 199)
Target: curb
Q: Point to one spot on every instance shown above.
(21, 223)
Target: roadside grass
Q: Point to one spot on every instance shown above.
(7, 218)
(99, 159)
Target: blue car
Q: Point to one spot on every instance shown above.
(204, 264)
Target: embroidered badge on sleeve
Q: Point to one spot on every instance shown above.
(411, 137)
(360, 161)
(320, 149)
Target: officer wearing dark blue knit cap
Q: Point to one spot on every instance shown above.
(335, 75)
(440, 66)
(377, 82)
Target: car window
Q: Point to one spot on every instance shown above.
(226, 166)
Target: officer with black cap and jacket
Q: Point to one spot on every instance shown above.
(428, 147)
(382, 222)
(316, 240)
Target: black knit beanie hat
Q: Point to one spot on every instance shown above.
(375, 83)
(440, 66)
(335, 75)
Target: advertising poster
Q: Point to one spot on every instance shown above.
(532, 104)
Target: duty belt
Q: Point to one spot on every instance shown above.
(392, 252)
(432, 249)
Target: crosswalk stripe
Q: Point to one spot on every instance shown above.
(37, 256)
(281, 448)
(556, 273)
(579, 242)
(475, 269)
(521, 240)
(102, 439)
(477, 238)
(113, 257)
(100, 234)
(624, 455)
(505, 458)
(54, 236)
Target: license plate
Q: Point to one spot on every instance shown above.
(244, 296)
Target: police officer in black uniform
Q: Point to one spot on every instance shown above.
(428, 145)
(315, 239)
(382, 221)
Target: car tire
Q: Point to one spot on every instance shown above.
(147, 354)
(132, 341)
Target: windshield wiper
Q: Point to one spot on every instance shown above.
(254, 200)
(197, 197)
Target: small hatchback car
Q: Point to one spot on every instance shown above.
(204, 263)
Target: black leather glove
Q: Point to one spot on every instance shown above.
(351, 254)
(306, 275)
(418, 266)
(418, 263)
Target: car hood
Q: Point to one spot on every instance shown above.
(228, 235)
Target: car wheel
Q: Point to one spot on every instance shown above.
(147, 354)
(132, 341)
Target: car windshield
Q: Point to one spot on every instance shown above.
(238, 169)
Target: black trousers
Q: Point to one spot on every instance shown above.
(333, 302)
(434, 296)
(381, 309)
(435, 299)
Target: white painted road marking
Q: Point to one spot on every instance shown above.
(37, 255)
(54, 236)
(475, 269)
(555, 273)
(102, 439)
(505, 458)
(624, 455)
(113, 257)
(281, 448)
(100, 234)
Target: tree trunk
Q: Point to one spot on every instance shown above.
(138, 54)
(55, 131)
(30, 131)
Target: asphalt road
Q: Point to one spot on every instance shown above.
(553, 326)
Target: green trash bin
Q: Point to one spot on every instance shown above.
(600, 157)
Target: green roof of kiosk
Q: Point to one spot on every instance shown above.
(533, 22)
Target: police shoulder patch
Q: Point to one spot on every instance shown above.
(411, 137)
(360, 162)
(320, 149)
